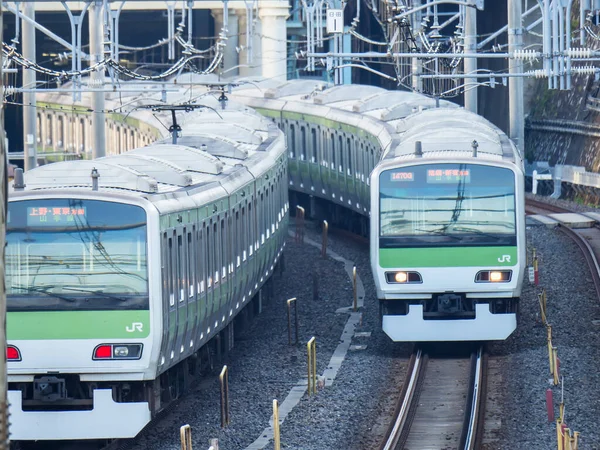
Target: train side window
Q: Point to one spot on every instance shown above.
(251, 229)
(332, 151)
(169, 272)
(209, 256)
(302, 143)
(292, 143)
(216, 254)
(224, 249)
(191, 264)
(340, 149)
(238, 238)
(349, 152)
(200, 261)
(314, 157)
(179, 268)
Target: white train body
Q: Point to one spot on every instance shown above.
(343, 139)
(114, 293)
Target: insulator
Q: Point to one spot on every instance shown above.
(525, 54)
(540, 73)
(585, 70)
(579, 53)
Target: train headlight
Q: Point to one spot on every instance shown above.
(117, 351)
(493, 276)
(402, 277)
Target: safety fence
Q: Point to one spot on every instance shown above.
(567, 439)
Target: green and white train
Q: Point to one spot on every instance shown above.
(120, 270)
(442, 190)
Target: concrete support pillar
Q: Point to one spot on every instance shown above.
(470, 64)
(274, 46)
(29, 82)
(97, 81)
(230, 53)
(515, 84)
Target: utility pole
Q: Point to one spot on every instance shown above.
(470, 64)
(29, 82)
(516, 118)
(97, 81)
(4, 442)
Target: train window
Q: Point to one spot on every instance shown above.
(302, 143)
(49, 131)
(244, 233)
(216, 253)
(332, 151)
(200, 261)
(292, 143)
(209, 259)
(251, 228)
(61, 131)
(190, 265)
(238, 238)
(180, 274)
(314, 156)
(224, 252)
(349, 150)
(169, 272)
(340, 149)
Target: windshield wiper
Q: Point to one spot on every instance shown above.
(479, 232)
(439, 232)
(95, 292)
(44, 290)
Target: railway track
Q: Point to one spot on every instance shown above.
(442, 403)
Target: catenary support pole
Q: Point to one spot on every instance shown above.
(4, 442)
(515, 84)
(97, 81)
(29, 102)
(470, 64)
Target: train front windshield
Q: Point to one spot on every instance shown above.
(447, 205)
(67, 254)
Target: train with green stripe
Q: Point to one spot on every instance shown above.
(124, 274)
(439, 189)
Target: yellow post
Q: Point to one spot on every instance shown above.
(559, 433)
(185, 432)
(355, 301)
(324, 243)
(276, 438)
(224, 379)
(567, 439)
(555, 364)
(576, 440)
(542, 300)
(311, 348)
(551, 360)
(561, 411)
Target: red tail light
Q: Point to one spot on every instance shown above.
(103, 352)
(13, 353)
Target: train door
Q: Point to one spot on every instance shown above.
(181, 293)
(192, 294)
(294, 172)
(303, 162)
(201, 269)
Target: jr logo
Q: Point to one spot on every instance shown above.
(505, 258)
(135, 326)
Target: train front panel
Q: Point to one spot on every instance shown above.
(447, 249)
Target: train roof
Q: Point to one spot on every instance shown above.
(214, 142)
(445, 129)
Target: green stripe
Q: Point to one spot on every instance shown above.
(77, 324)
(447, 257)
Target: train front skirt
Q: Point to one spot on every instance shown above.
(484, 327)
(108, 419)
